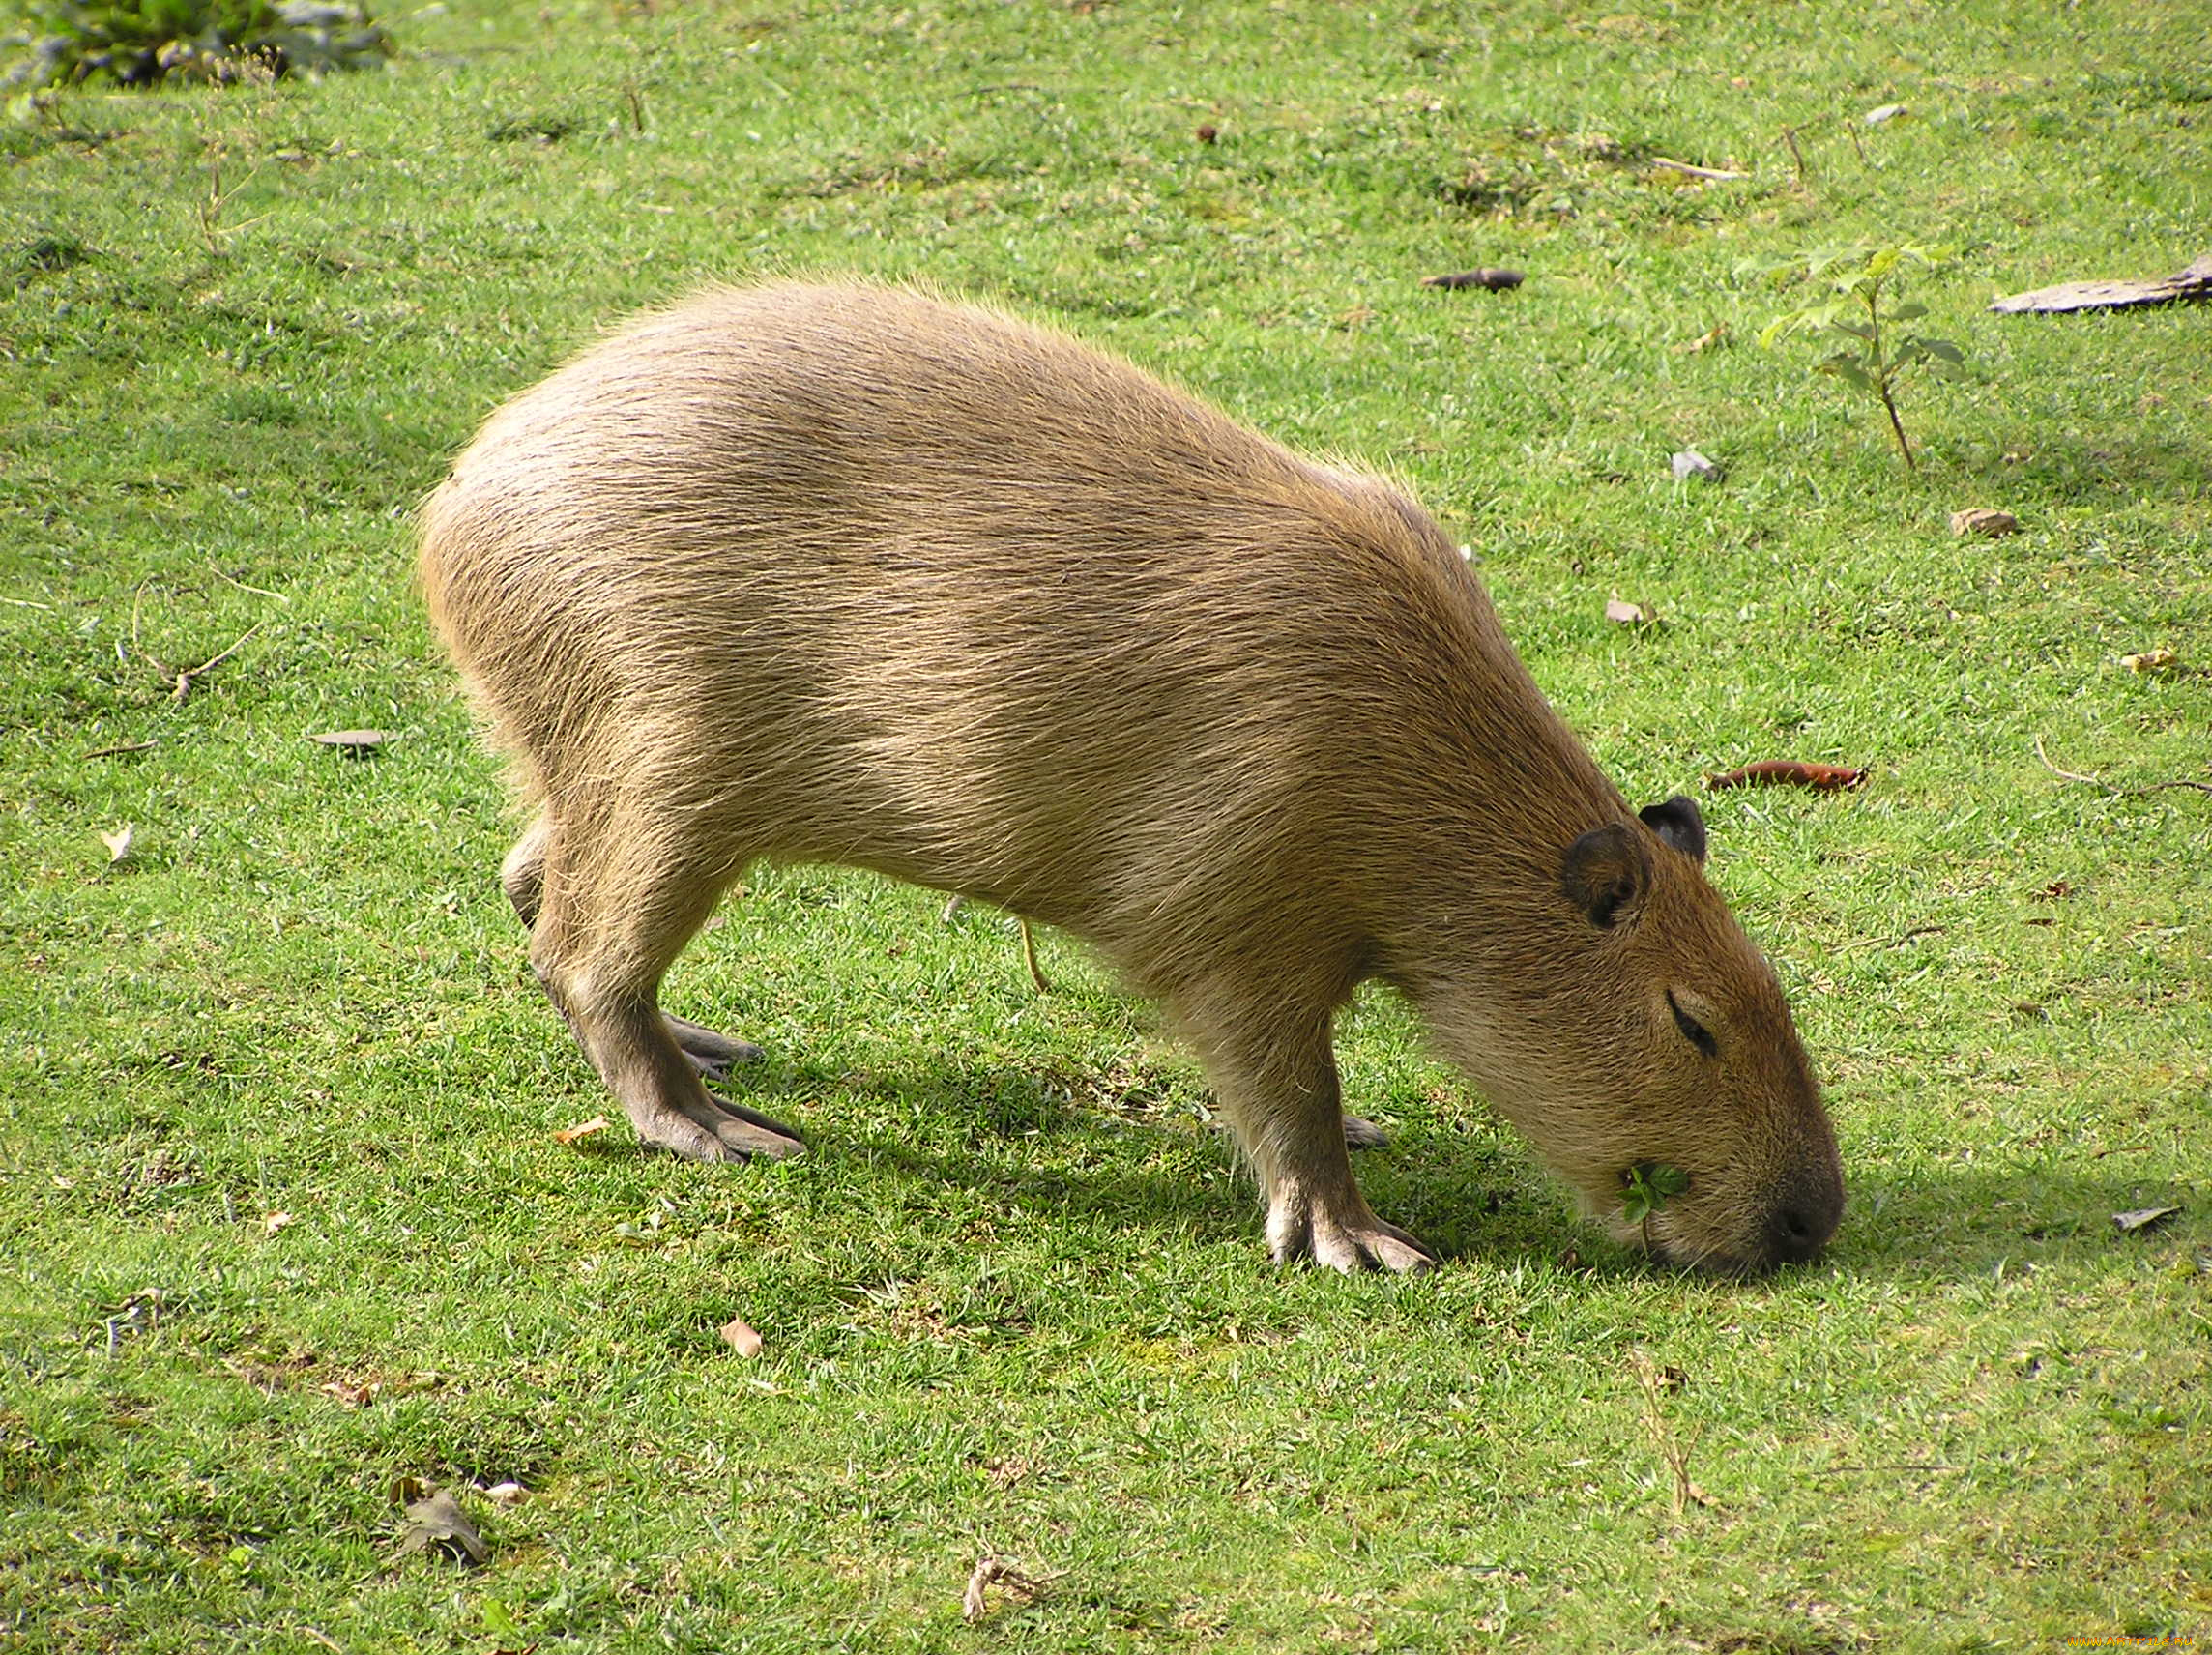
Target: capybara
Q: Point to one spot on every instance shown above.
(848, 573)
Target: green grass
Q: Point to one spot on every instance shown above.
(1015, 1301)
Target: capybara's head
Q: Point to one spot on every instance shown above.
(1646, 1032)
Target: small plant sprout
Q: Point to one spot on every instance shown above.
(1645, 1189)
(1865, 314)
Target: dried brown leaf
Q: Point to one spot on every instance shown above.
(1986, 521)
(2143, 1218)
(1788, 772)
(435, 1520)
(1495, 280)
(118, 843)
(355, 744)
(582, 1129)
(740, 1338)
(2157, 660)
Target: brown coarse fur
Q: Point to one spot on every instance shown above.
(846, 573)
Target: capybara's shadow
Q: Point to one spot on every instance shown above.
(1468, 1199)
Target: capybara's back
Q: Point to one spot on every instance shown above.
(846, 573)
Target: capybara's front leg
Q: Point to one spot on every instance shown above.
(1275, 1075)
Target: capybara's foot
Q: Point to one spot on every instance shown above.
(713, 1055)
(1349, 1240)
(717, 1131)
(1362, 1134)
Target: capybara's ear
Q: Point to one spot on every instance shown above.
(1606, 874)
(1677, 823)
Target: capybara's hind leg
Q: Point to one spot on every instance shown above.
(523, 878)
(619, 904)
(1273, 1070)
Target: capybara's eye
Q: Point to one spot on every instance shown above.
(1693, 1032)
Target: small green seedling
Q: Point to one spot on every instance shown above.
(1876, 353)
(1645, 1189)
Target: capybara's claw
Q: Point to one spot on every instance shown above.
(1359, 1134)
(720, 1132)
(1349, 1241)
(711, 1053)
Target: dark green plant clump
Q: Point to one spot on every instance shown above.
(140, 42)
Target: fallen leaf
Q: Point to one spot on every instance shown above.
(1495, 278)
(356, 743)
(582, 1129)
(143, 1308)
(1983, 520)
(348, 1394)
(1886, 112)
(2157, 660)
(506, 1494)
(1711, 338)
(118, 843)
(2143, 1218)
(1788, 772)
(273, 1222)
(1690, 463)
(1668, 1378)
(740, 1338)
(1207, 134)
(436, 1519)
(1626, 614)
(2054, 890)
